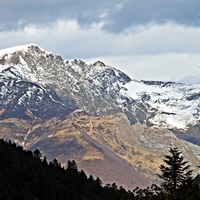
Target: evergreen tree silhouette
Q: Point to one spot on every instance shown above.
(176, 174)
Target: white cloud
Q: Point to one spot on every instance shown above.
(165, 52)
(165, 67)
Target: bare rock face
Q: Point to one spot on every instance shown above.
(115, 127)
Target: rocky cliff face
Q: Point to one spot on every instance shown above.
(95, 114)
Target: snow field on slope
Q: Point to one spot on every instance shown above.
(175, 109)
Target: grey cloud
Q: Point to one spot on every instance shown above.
(155, 11)
(46, 11)
(16, 14)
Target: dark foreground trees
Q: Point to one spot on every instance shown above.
(176, 173)
(25, 175)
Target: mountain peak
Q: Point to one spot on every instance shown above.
(11, 50)
(99, 63)
(7, 53)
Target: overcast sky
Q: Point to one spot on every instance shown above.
(147, 39)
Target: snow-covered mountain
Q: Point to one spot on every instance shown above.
(38, 86)
(101, 90)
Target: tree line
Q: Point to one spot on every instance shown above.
(26, 175)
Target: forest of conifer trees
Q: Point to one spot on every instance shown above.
(26, 175)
